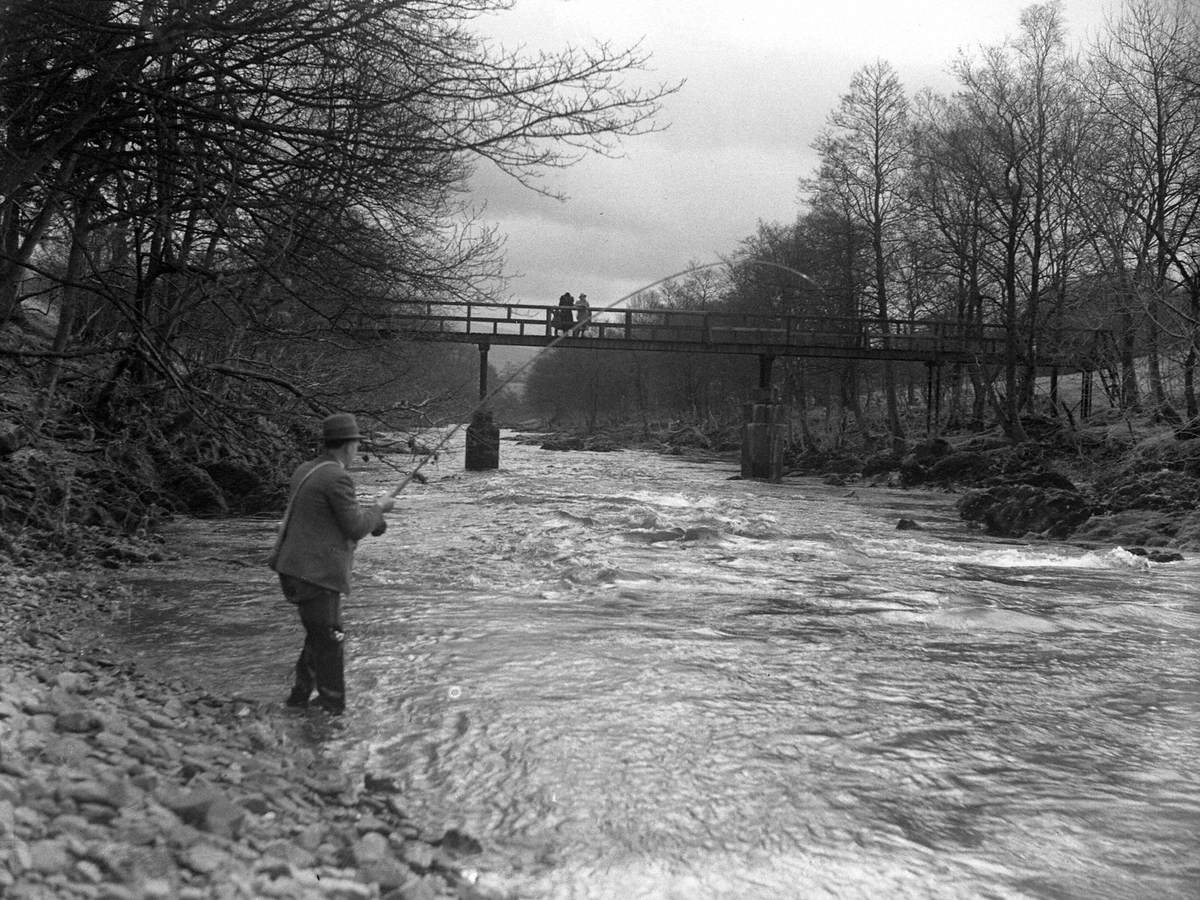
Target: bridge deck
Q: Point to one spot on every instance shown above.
(695, 331)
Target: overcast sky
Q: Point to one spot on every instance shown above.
(761, 78)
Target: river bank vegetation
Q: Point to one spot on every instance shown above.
(1054, 194)
(203, 206)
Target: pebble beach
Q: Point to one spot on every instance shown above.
(118, 784)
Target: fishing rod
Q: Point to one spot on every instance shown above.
(415, 474)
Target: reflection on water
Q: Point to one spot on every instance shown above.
(634, 677)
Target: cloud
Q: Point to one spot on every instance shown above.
(627, 226)
(761, 79)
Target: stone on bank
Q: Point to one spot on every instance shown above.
(115, 784)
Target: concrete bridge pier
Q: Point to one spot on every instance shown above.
(764, 429)
(483, 442)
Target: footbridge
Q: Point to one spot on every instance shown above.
(768, 337)
(933, 342)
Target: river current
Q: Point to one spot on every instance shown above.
(637, 676)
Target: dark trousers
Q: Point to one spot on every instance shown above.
(321, 665)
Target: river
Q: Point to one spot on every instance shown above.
(636, 676)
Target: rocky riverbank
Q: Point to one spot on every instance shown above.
(1110, 482)
(116, 784)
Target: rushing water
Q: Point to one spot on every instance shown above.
(633, 676)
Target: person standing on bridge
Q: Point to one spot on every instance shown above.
(583, 313)
(562, 319)
(314, 554)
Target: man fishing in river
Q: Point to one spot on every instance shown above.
(314, 554)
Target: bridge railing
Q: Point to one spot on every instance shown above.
(918, 338)
(691, 326)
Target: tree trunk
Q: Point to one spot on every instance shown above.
(1011, 411)
(10, 236)
(1189, 366)
(1158, 388)
(19, 250)
(895, 428)
(69, 303)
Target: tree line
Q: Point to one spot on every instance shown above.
(1056, 190)
(213, 196)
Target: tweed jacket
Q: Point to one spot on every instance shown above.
(326, 524)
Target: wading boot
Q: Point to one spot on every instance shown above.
(329, 705)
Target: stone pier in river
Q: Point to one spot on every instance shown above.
(764, 432)
(483, 442)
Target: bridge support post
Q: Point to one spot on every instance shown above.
(933, 399)
(765, 364)
(483, 442)
(483, 355)
(764, 433)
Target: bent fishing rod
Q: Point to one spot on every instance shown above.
(415, 474)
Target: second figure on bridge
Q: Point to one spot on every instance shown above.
(582, 313)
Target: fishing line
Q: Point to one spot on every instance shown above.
(415, 475)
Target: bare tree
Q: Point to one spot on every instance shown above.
(268, 174)
(1017, 98)
(948, 201)
(865, 156)
(1144, 84)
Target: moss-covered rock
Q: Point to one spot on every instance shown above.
(1016, 510)
(1163, 490)
(1130, 528)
